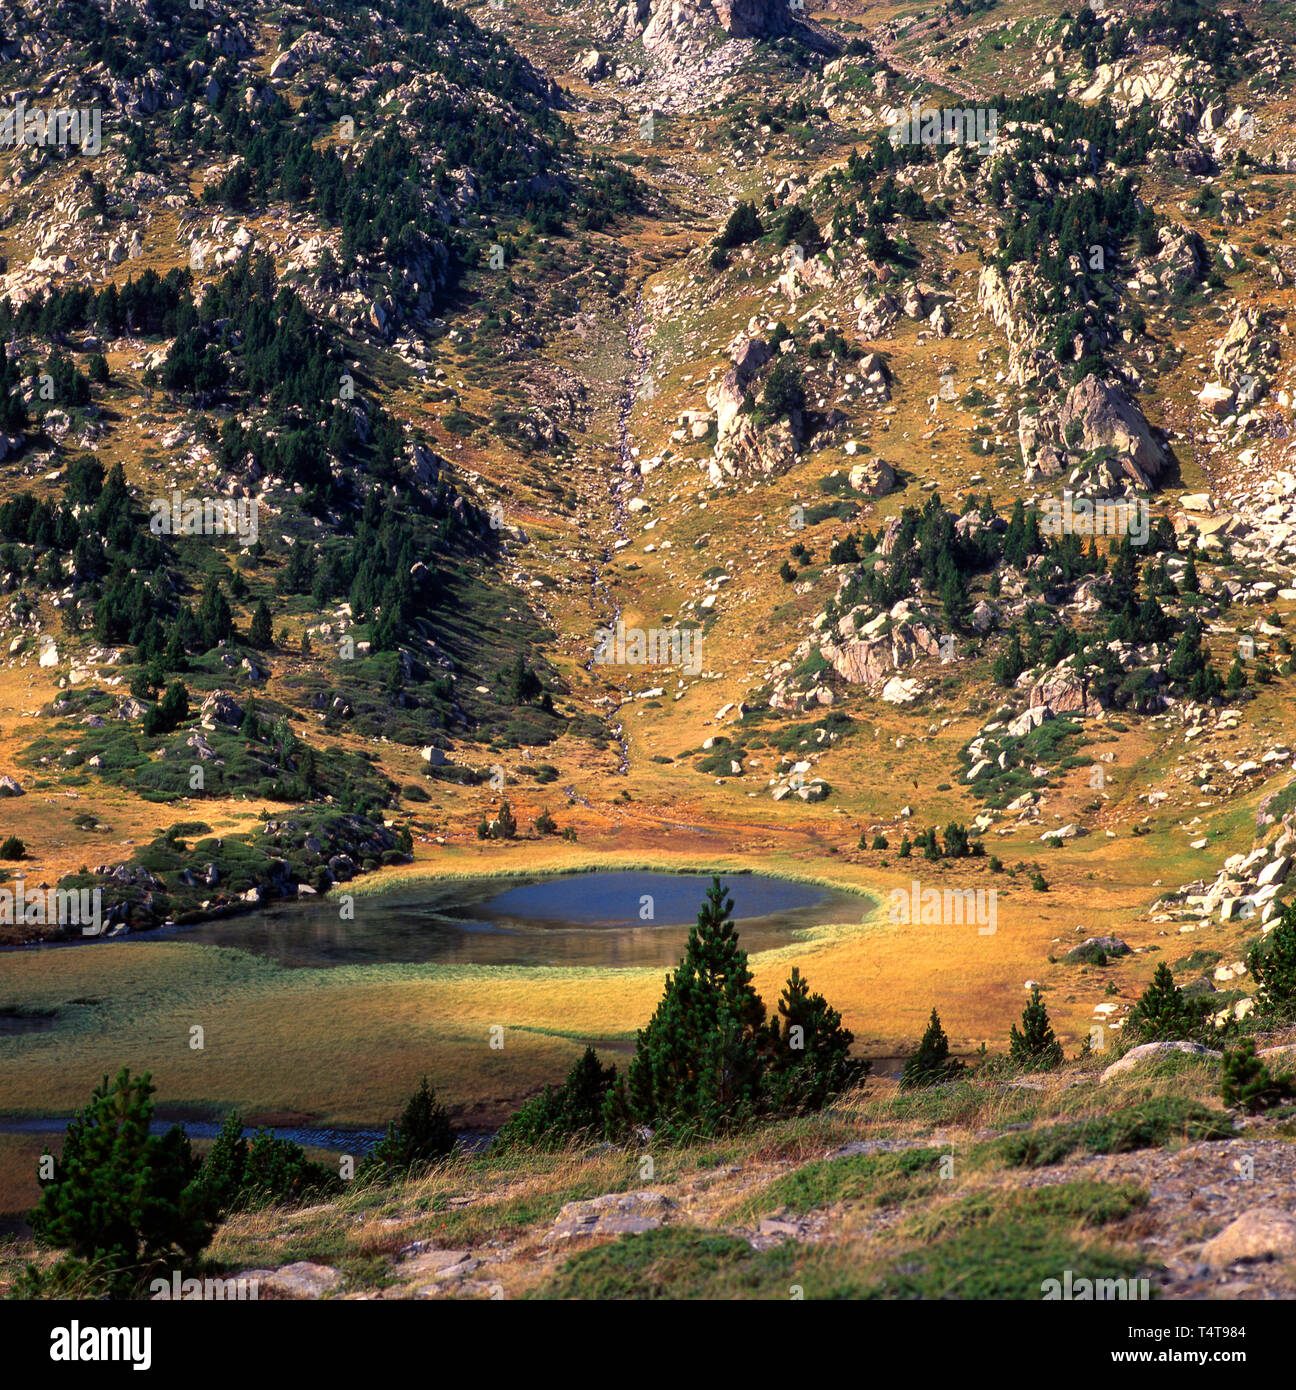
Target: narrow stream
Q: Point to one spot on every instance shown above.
(601, 597)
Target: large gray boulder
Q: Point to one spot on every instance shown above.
(1107, 418)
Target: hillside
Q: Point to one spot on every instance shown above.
(852, 444)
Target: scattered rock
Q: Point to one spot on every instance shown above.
(1148, 1052)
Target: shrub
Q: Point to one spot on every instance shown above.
(277, 1170)
(1149, 1124)
(545, 824)
(221, 1178)
(12, 848)
(784, 392)
(268, 1170)
(1248, 1083)
(558, 1115)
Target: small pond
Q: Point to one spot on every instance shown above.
(618, 918)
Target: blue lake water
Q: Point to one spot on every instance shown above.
(618, 918)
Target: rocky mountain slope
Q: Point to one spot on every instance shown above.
(917, 381)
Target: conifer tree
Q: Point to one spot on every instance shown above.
(169, 712)
(1191, 583)
(224, 1167)
(421, 1136)
(214, 618)
(1273, 966)
(931, 1064)
(504, 827)
(260, 634)
(698, 1061)
(1162, 1014)
(560, 1114)
(120, 1198)
(744, 225)
(810, 1059)
(1035, 1047)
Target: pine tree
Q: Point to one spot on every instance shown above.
(1162, 1014)
(931, 1064)
(744, 225)
(1191, 583)
(260, 634)
(520, 682)
(1273, 966)
(421, 1136)
(169, 712)
(225, 1167)
(278, 1170)
(698, 1061)
(810, 1059)
(121, 1198)
(1010, 664)
(214, 618)
(1035, 1048)
(953, 589)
